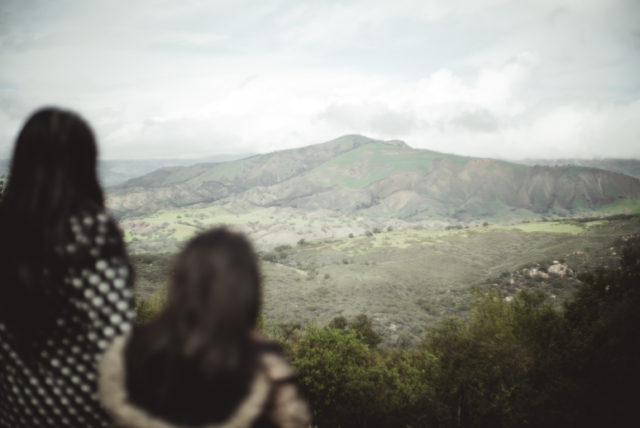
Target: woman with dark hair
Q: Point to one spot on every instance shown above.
(200, 363)
(64, 277)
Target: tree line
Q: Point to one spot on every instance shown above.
(517, 363)
(521, 363)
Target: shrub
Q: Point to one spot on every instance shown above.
(339, 322)
(286, 331)
(147, 309)
(144, 310)
(349, 385)
(270, 257)
(362, 325)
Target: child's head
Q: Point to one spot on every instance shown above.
(201, 344)
(214, 294)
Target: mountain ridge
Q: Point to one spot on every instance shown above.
(623, 166)
(356, 174)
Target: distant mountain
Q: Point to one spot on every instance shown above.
(113, 172)
(356, 174)
(623, 166)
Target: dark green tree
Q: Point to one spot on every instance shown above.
(339, 323)
(486, 365)
(363, 326)
(350, 385)
(332, 367)
(603, 354)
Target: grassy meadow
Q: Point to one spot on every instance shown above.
(165, 230)
(405, 279)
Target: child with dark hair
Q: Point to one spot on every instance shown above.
(200, 363)
(64, 277)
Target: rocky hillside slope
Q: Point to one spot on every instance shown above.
(355, 174)
(623, 166)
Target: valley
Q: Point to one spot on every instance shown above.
(407, 280)
(357, 225)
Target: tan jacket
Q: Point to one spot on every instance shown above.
(289, 410)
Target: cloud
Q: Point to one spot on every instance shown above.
(568, 130)
(488, 78)
(601, 130)
(478, 120)
(371, 118)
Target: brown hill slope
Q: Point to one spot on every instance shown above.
(355, 174)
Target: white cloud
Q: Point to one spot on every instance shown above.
(610, 130)
(489, 78)
(597, 130)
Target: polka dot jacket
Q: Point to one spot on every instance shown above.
(52, 382)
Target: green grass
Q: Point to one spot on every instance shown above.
(546, 227)
(571, 170)
(127, 236)
(412, 278)
(625, 206)
(367, 164)
(165, 230)
(223, 171)
(595, 223)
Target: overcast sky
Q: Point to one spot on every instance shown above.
(178, 79)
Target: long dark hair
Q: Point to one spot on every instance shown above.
(52, 176)
(199, 350)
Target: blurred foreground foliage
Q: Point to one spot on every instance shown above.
(517, 363)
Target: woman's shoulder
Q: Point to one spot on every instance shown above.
(272, 400)
(96, 221)
(273, 363)
(285, 407)
(91, 232)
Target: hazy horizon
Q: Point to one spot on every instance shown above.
(494, 78)
(227, 157)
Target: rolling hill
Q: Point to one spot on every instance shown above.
(356, 175)
(113, 171)
(623, 166)
(116, 171)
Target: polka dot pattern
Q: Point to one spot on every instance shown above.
(53, 382)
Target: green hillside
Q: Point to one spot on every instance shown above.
(256, 170)
(358, 176)
(622, 166)
(367, 164)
